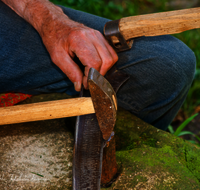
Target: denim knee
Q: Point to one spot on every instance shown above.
(161, 71)
(181, 63)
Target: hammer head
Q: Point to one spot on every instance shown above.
(104, 101)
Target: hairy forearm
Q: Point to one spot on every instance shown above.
(18, 6)
(39, 13)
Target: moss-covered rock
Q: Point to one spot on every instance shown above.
(38, 155)
(153, 159)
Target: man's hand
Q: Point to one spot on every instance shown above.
(65, 38)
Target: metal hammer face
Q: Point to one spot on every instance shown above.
(104, 101)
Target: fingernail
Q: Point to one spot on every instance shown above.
(77, 86)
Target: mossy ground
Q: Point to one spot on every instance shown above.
(149, 158)
(152, 158)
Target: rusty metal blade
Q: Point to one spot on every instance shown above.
(89, 143)
(104, 100)
(88, 152)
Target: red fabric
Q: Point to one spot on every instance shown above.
(9, 99)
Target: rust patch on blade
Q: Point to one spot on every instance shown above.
(104, 108)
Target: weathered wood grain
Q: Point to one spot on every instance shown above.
(156, 24)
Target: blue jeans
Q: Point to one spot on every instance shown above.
(161, 69)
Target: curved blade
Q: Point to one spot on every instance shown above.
(89, 143)
(104, 100)
(88, 152)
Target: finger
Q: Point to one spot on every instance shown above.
(86, 70)
(85, 83)
(109, 47)
(87, 53)
(85, 78)
(100, 50)
(106, 52)
(112, 51)
(89, 57)
(71, 69)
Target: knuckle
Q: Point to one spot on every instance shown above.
(72, 34)
(97, 64)
(82, 33)
(109, 61)
(76, 34)
(94, 33)
(98, 33)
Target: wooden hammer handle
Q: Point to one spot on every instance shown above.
(46, 110)
(160, 23)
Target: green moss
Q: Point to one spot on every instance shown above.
(152, 158)
(162, 163)
(193, 160)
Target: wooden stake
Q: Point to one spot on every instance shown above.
(46, 110)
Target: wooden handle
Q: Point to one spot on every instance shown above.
(46, 110)
(160, 23)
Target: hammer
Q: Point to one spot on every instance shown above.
(103, 102)
(120, 34)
